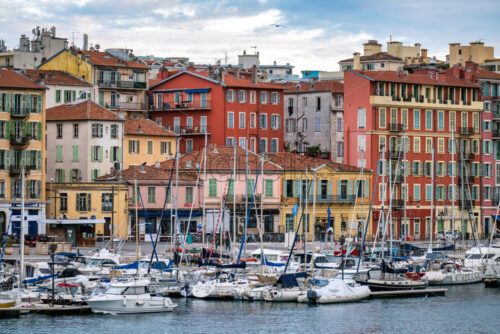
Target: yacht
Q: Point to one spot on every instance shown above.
(129, 297)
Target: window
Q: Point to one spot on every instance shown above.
(487, 147)
(440, 148)
(114, 131)
(97, 130)
(275, 98)
(487, 170)
(158, 120)
(243, 142)
(203, 124)
(416, 144)
(428, 119)
(268, 188)
(475, 121)
(340, 149)
(274, 145)
(75, 153)
(230, 95)
(487, 192)
(428, 145)
(252, 121)
(263, 121)
(75, 131)
(290, 125)
(151, 194)
(107, 202)
(230, 141)
(361, 118)
(189, 122)
(242, 120)
(177, 125)
(264, 97)
(212, 187)
(441, 120)
(59, 131)
(304, 124)
(133, 146)
(339, 124)
(59, 153)
(166, 147)
(381, 118)
(416, 119)
(275, 122)
(453, 121)
(318, 103)
(487, 125)
(83, 202)
(230, 119)
(361, 143)
(150, 147)
(304, 101)
(189, 195)
(252, 97)
(428, 192)
(262, 145)
(382, 143)
(63, 202)
(97, 153)
(317, 124)
(59, 175)
(404, 118)
(242, 96)
(189, 145)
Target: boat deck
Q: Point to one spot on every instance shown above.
(408, 293)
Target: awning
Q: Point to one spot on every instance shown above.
(166, 214)
(73, 221)
(497, 217)
(199, 90)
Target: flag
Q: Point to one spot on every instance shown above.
(329, 216)
(295, 209)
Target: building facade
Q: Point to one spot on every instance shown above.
(22, 146)
(85, 141)
(393, 122)
(476, 52)
(227, 110)
(314, 119)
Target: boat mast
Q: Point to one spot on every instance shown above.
(453, 179)
(305, 227)
(234, 203)
(136, 219)
(313, 246)
(21, 243)
(432, 196)
(382, 211)
(261, 234)
(246, 206)
(204, 192)
(405, 192)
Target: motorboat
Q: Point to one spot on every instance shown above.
(483, 257)
(336, 291)
(452, 274)
(101, 263)
(129, 297)
(286, 289)
(221, 287)
(391, 279)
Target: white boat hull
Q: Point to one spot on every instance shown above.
(132, 304)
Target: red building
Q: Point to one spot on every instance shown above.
(229, 109)
(393, 121)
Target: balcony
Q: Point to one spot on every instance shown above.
(397, 203)
(395, 154)
(183, 106)
(395, 127)
(396, 178)
(496, 115)
(466, 180)
(496, 134)
(20, 141)
(191, 130)
(469, 156)
(466, 131)
(423, 103)
(21, 113)
(345, 199)
(128, 106)
(16, 170)
(240, 199)
(122, 84)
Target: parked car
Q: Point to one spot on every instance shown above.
(449, 235)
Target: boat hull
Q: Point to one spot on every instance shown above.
(131, 305)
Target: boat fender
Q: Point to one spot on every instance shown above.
(140, 302)
(312, 296)
(124, 301)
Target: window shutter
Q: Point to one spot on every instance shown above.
(7, 129)
(39, 106)
(62, 176)
(339, 188)
(28, 105)
(39, 160)
(74, 95)
(120, 157)
(28, 158)
(129, 146)
(349, 188)
(58, 96)
(23, 158)
(138, 144)
(89, 199)
(297, 188)
(39, 132)
(65, 96)
(111, 155)
(77, 202)
(91, 153)
(7, 102)
(23, 126)
(367, 189)
(29, 125)
(284, 188)
(7, 162)
(101, 153)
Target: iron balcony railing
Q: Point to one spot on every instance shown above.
(20, 141)
(186, 105)
(122, 84)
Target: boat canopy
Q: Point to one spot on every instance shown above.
(290, 280)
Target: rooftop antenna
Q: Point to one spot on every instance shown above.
(390, 38)
(73, 33)
(225, 57)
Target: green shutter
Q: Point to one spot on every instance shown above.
(284, 187)
(58, 153)
(212, 187)
(349, 188)
(28, 105)
(330, 187)
(75, 153)
(91, 153)
(63, 179)
(138, 144)
(89, 198)
(7, 162)
(120, 156)
(129, 146)
(74, 95)
(23, 126)
(23, 158)
(7, 129)
(367, 189)
(111, 155)
(29, 125)
(39, 160)
(39, 124)
(339, 187)
(297, 189)
(58, 96)
(101, 152)
(65, 96)
(28, 158)
(7, 102)
(39, 101)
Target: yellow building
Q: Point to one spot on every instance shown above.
(475, 51)
(146, 141)
(22, 144)
(331, 185)
(80, 213)
(119, 84)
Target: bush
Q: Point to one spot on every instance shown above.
(10, 242)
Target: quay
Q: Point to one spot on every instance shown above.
(46, 309)
(408, 293)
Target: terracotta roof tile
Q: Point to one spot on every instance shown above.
(147, 128)
(324, 85)
(423, 79)
(487, 74)
(100, 58)
(11, 79)
(376, 56)
(57, 78)
(86, 110)
(149, 173)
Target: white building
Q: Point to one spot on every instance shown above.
(62, 87)
(84, 141)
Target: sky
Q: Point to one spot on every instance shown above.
(312, 34)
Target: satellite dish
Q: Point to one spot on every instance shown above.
(216, 71)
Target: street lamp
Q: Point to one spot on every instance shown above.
(52, 249)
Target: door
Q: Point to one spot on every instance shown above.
(70, 232)
(32, 228)
(2, 223)
(107, 228)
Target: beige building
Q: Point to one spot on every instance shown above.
(147, 142)
(22, 145)
(475, 51)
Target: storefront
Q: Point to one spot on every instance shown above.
(78, 232)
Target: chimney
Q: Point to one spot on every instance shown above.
(356, 61)
(254, 74)
(41, 79)
(85, 42)
(157, 165)
(424, 53)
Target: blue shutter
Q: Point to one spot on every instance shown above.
(330, 187)
(349, 188)
(367, 189)
(339, 189)
(284, 188)
(297, 188)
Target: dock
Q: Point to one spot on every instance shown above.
(54, 310)
(491, 281)
(430, 292)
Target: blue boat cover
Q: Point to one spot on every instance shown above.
(38, 279)
(290, 280)
(269, 263)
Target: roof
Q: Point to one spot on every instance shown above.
(149, 173)
(221, 158)
(57, 78)
(12, 79)
(484, 74)
(100, 58)
(146, 127)
(376, 56)
(229, 81)
(326, 85)
(412, 78)
(85, 110)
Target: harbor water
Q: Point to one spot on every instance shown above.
(464, 309)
